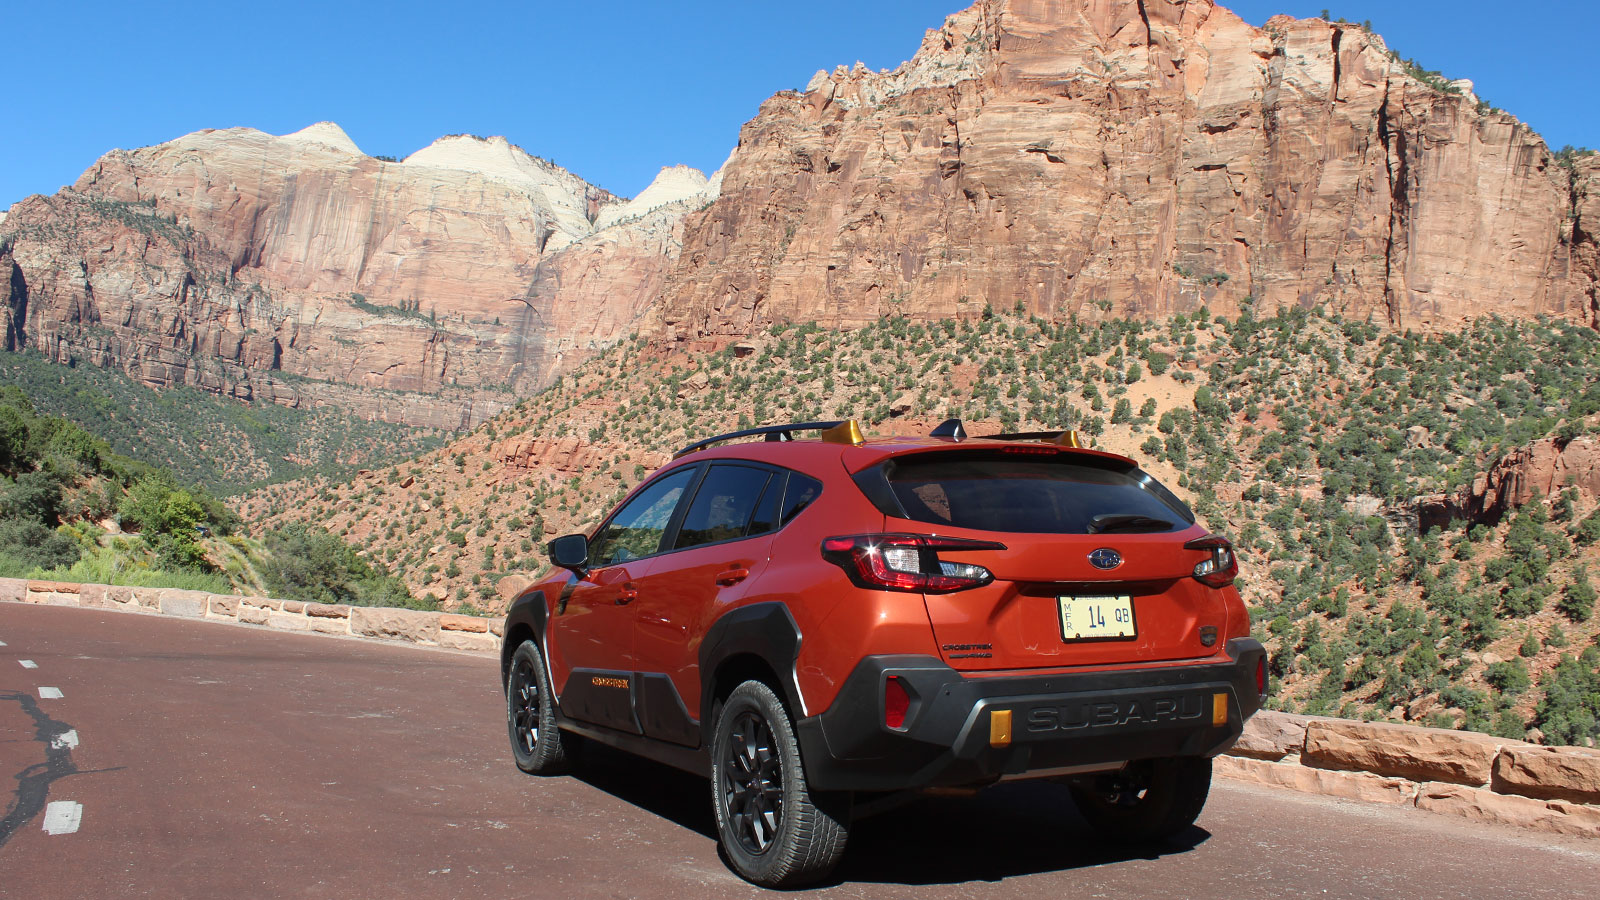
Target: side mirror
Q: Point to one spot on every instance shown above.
(570, 552)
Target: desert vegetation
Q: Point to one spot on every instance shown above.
(1316, 442)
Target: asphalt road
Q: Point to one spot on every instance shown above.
(217, 760)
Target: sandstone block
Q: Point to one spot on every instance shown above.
(464, 640)
(326, 611)
(1481, 805)
(225, 606)
(1272, 735)
(325, 625)
(1549, 773)
(293, 606)
(474, 624)
(147, 599)
(53, 587)
(497, 627)
(1421, 754)
(121, 597)
(396, 624)
(1347, 785)
(257, 610)
(93, 596)
(284, 621)
(184, 603)
(13, 590)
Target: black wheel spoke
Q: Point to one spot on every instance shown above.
(753, 783)
(525, 687)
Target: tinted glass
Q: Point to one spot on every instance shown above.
(636, 529)
(722, 506)
(1032, 496)
(766, 517)
(798, 495)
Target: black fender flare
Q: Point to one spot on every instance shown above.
(765, 630)
(529, 610)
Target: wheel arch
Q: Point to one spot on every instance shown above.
(525, 621)
(758, 642)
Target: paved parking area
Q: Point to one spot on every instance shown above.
(196, 759)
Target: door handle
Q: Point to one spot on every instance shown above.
(627, 595)
(732, 576)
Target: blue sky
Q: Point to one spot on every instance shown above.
(613, 91)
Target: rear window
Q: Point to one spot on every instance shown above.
(1033, 496)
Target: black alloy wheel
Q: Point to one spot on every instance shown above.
(774, 830)
(753, 784)
(539, 747)
(524, 706)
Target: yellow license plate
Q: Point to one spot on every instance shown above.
(1097, 618)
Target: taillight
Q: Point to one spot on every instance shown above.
(1220, 568)
(907, 562)
(896, 701)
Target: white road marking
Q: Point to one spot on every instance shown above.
(2, 643)
(65, 740)
(62, 817)
(28, 664)
(49, 693)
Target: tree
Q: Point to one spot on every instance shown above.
(1577, 601)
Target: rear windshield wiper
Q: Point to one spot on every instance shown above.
(1126, 522)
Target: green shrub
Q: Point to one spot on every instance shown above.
(311, 564)
(27, 544)
(1570, 711)
(1577, 601)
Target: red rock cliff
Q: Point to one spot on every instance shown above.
(1119, 157)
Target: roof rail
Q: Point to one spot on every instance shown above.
(772, 432)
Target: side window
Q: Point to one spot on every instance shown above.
(766, 517)
(799, 494)
(722, 506)
(636, 529)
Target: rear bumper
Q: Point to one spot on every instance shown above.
(1058, 721)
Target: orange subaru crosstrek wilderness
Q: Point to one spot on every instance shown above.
(825, 626)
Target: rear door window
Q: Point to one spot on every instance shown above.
(723, 505)
(992, 492)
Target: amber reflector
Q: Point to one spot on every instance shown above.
(1219, 709)
(1000, 728)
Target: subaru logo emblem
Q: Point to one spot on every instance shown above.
(1105, 558)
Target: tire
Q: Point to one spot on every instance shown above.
(774, 831)
(538, 746)
(1147, 802)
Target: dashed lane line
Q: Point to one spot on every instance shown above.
(66, 740)
(2, 643)
(28, 664)
(50, 693)
(62, 817)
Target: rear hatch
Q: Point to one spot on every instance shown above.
(1094, 570)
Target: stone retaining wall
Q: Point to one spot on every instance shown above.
(428, 629)
(1462, 773)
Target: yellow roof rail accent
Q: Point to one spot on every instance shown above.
(846, 432)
